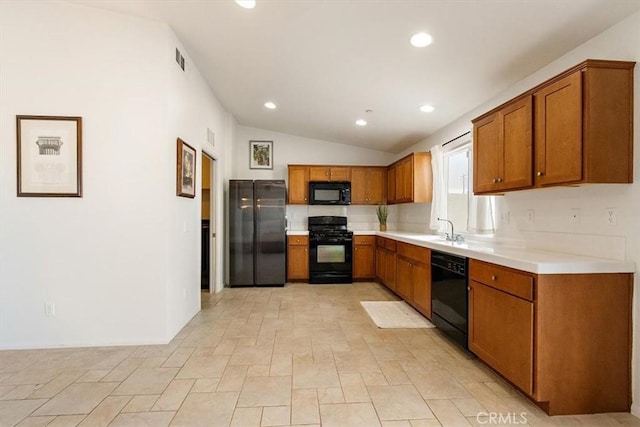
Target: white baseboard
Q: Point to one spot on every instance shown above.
(635, 409)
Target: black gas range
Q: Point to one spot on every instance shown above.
(330, 250)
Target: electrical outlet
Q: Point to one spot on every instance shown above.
(505, 217)
(574, 217)
(531, 216)
(49, 309)
(612, 216)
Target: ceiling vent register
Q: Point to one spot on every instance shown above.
(180, 59)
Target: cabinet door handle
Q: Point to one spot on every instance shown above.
(494, 277)
(499, 179)
(540, 174)
(495, 180)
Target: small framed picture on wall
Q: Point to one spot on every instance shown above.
(260, 154)
(186, 170)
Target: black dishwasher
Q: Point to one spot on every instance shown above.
(449, 295)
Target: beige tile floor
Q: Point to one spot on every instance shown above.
(298, 355)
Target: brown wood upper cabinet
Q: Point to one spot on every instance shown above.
(412, 177)
(391, 183)
(581, 121)
(583, 125)
(298, 193)
(502, 148)
(367, 182)
(405, 181)
(329, 173)
(367, 185)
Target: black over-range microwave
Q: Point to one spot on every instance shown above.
(329, 193)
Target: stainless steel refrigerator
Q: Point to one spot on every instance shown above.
(257, 238)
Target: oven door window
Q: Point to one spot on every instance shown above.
(331, 254)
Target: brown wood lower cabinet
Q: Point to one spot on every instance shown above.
(297, 258)
(404, 278)
(386, 262)
(563, 339)
(501, 333)
(406, 270)
(363, 257)
(421, 298)
(413, 281)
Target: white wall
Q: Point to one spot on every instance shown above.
(191, 110)
(115, 262)
(552, 228)
(292, 149)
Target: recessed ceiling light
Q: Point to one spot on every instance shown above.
(421, 39)
(270, 105)
(361, 122)
(427, 108)
(247, 4)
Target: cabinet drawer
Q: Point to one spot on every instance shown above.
(414, 252)
(505, 279)
(298, 240)
(380, 241)
(390, 245)
(364, 240)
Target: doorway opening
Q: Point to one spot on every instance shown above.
(208, 219)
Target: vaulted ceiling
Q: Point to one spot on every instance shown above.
(324, 63)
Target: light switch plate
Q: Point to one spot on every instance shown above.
(50, 309)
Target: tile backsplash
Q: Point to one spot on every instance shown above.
(409, 217)
(413, 217)
(359, 217)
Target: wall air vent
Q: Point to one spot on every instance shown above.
(180, 59)
(211, 137)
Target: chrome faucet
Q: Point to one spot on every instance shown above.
(453, 237)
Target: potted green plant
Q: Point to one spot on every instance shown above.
(382, 212)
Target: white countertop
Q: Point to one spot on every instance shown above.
(356, 232)
(531, 260)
